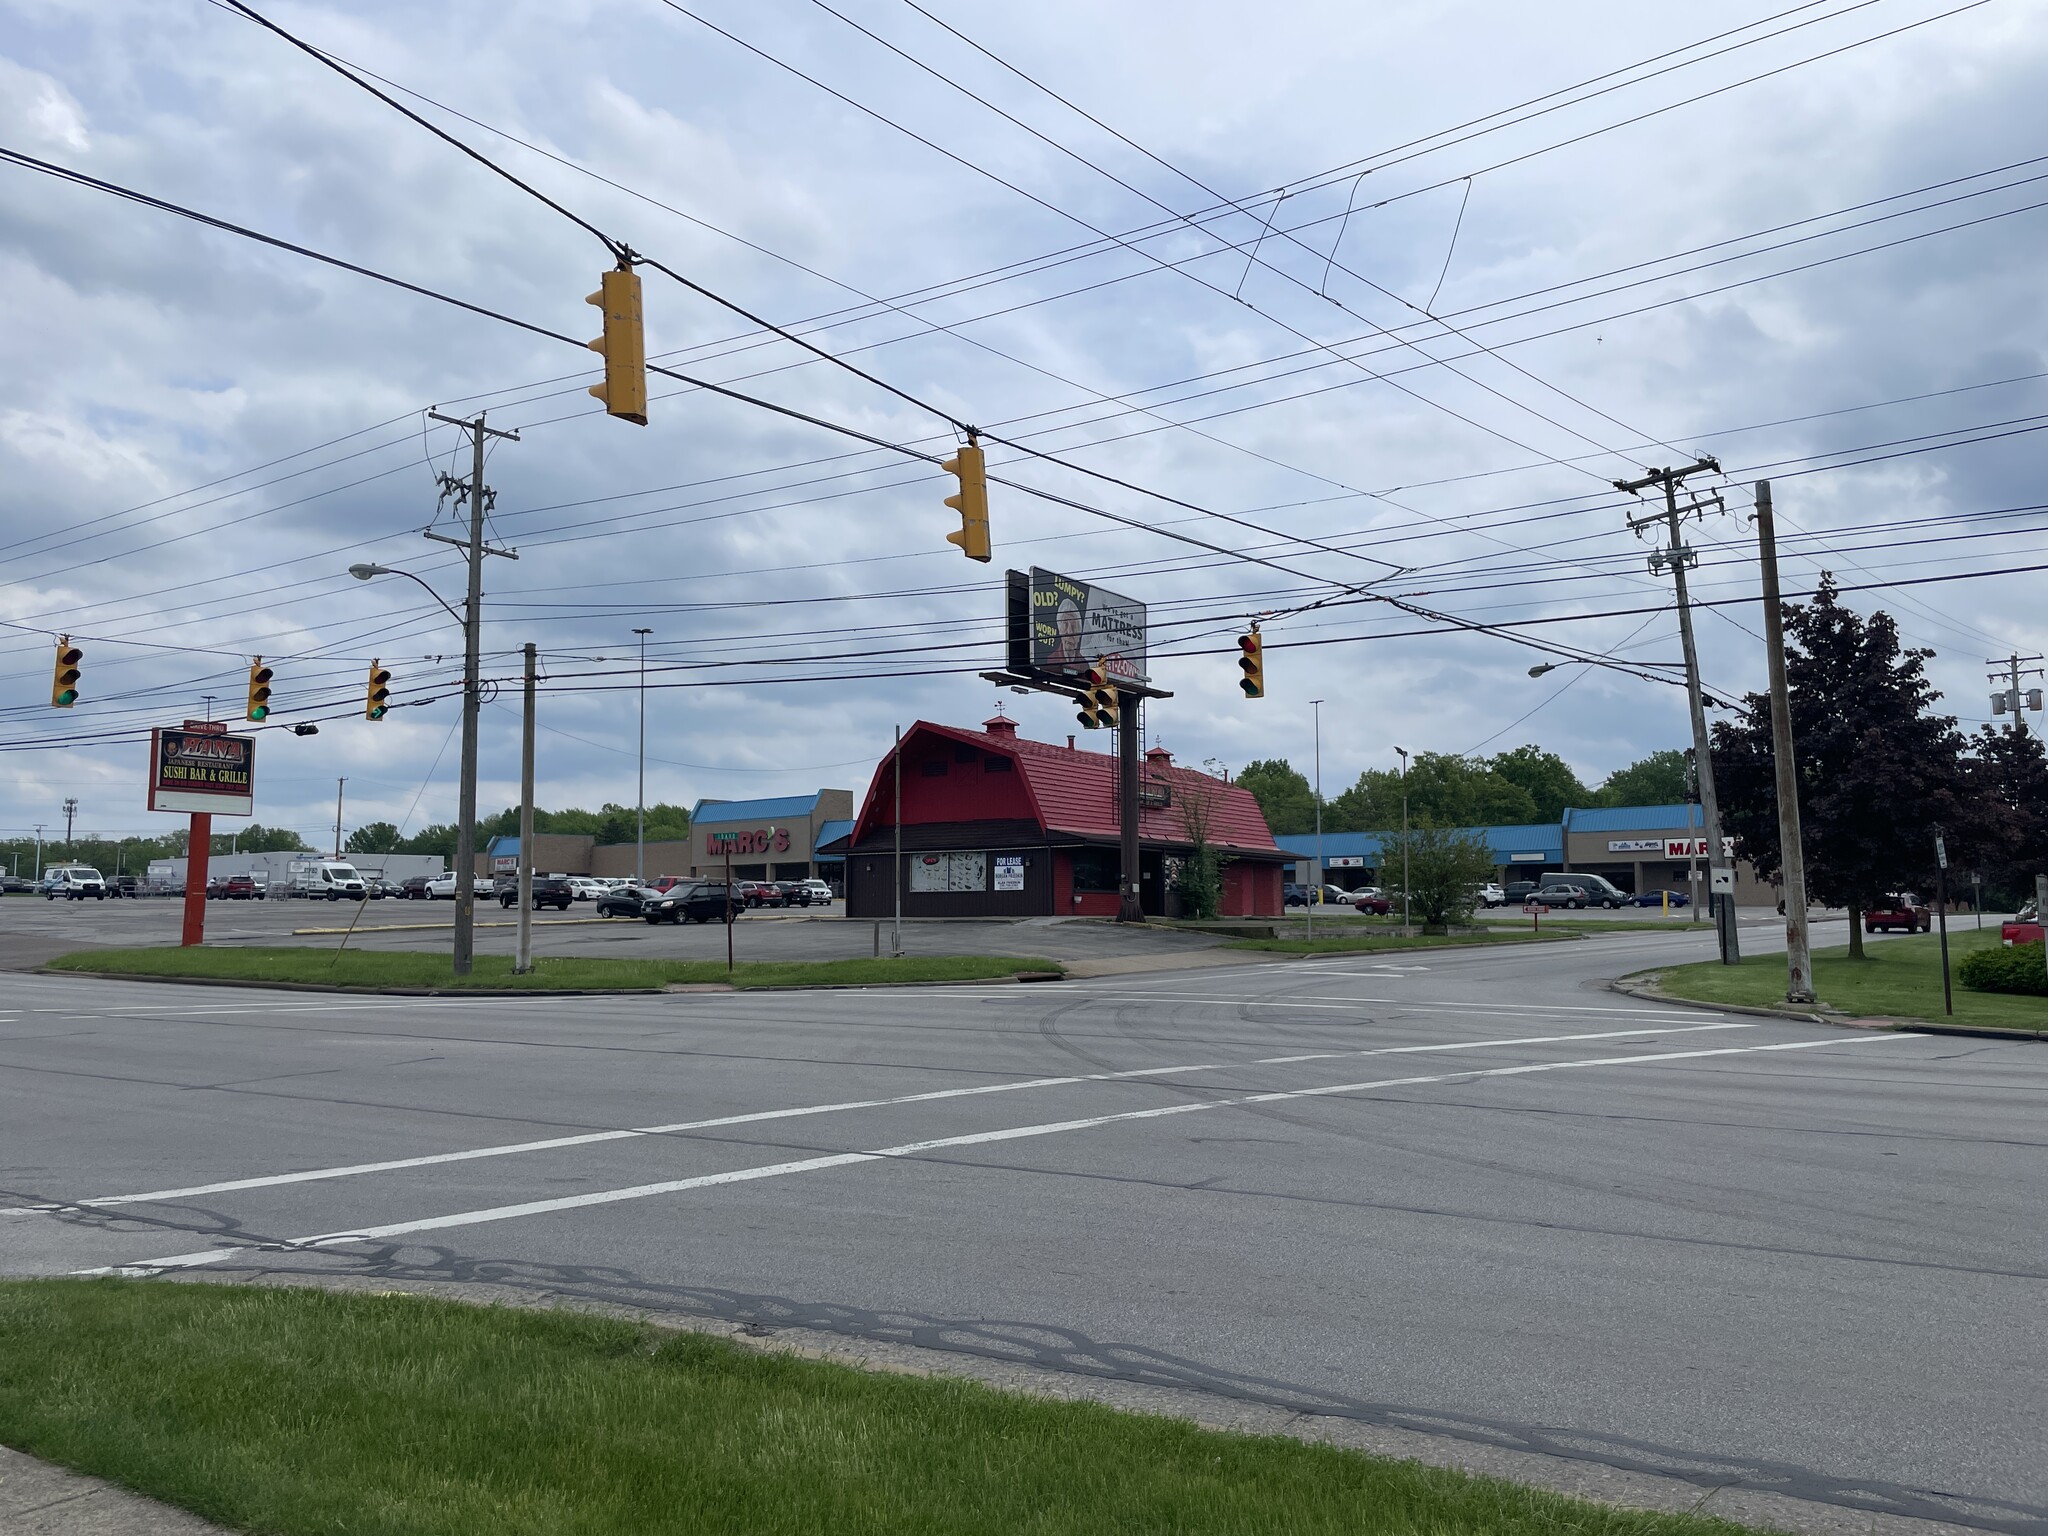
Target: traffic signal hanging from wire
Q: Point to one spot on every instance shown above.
(623, 345)
(1098, 700)
(1251, 661)
(64, 681)
(971, 502)
(377, 700)
(259, 690)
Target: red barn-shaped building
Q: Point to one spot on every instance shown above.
(998, 826)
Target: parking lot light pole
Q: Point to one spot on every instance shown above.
(1315, 890)
(640, 809)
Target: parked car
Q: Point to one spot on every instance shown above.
(1519, 890)
(441, 887)
(15, 885)
(818, 892)
(1658, 898)
(583, 888)
(329, 878)
(1591, 891)
(1899, 909)
(74, 882)
(701, 901)
(1491, 895)
(630, 902)
(758, 893)
(2024, 928)
(415, 889)
(1371, 899)
(234, 888)
(548, 891)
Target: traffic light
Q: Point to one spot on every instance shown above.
(624, 346)
(1252, 662)
(971, 502)
(376, 703)
(1098, 702)
(64, 683)
(259, 690)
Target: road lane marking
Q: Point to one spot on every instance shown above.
(755, 1117)
(914, 1149)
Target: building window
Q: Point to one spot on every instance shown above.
(1096, 869)
(993, 764)
(962, 753)
(932, 768)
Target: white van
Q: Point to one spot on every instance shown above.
(326, 877)
(74, 882)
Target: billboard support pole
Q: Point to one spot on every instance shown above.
(198, 848)
(1129, 908)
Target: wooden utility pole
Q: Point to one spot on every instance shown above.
(1792, 853)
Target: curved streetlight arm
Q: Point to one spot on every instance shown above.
(365, 572)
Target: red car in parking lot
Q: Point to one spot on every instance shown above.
(1373, 901)
(2025, 927)
(1899, 909)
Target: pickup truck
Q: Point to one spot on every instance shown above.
(1899, 909)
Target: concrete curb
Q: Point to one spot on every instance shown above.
(1635, 986)
(672, 988)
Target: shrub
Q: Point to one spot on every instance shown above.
(2008, 968)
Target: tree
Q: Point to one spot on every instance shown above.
(257, 838)
(2006, 782)
(1658, 779)
(1373, 804)
(1283, 794)
(1198, 879)
(373, 837)
(1545, 777)
(1442, 787)
(1879, 771)
(1445, 868)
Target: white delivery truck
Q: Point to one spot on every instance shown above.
(325, 877)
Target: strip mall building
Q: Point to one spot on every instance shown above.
(994, 825)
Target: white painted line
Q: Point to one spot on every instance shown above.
(918, 1148)
(592, 1138)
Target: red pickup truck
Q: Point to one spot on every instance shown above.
(1900, 909)
(2025, 927)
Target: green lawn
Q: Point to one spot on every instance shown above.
(1674, 924)
(411, 968)
(1901, 977)
(306, 1413)
(1349, 943)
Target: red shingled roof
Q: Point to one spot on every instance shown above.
(1075, 791)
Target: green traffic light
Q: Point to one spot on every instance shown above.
(68, 696)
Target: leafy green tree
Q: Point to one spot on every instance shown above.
(1283, 794)
(1442, 787)
(373, 837)
(257, 838)
(1545, 777)
(2006, 785)
(1659, 779)
(1445, 868)
(1879, 771)
(1373, 804)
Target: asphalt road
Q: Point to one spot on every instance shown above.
(1468, 1192)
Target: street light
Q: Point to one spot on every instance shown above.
(1315, 890)
(640, 812)
(465, 824)
(1404, 835)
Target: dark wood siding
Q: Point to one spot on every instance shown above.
(871, 889)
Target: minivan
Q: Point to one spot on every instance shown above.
(74, 882)
(1599, 891)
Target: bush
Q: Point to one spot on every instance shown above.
(2008, 968)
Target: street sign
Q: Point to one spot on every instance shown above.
(1940, 851)
(202, 771)
(1724, 882)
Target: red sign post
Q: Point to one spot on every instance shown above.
(203, 771)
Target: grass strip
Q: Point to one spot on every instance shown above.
(493, 973)
(1605, 924)
(309, 1413)
(1365, 943)
(1898, 978)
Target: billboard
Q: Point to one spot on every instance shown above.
(1071, 624)
(202, 770)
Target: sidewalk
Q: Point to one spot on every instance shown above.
(37, 1499)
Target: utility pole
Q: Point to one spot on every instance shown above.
(1130, 734)
(1677, 557)
(337, 816)
(640, 805)
(524, 962)
(1315, 889)
(2012, 669)
(896, 825)
(70, 811)
(1791, 852)
(478, 498)
(1404, 837)
(39, 853)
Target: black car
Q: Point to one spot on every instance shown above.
(701, 901)
(415, 889)
(1517, 890)
(1293, 895)
(548, 891)
(628, 901)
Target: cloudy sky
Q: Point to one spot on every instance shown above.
(1378, 300)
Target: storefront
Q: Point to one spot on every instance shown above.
(775, 839)
(1354, 859)
(994, 825)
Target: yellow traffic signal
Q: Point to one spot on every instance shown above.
(259, 690)
(971, 502)
(1098, 701)
(1252, 662)
(376, 702)
(64, 682)
(623, 345)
